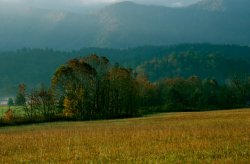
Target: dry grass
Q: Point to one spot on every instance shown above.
(207, 137)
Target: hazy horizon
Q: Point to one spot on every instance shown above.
(88, 5)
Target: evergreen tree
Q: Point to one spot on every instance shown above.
(20, 97)
(10, 102)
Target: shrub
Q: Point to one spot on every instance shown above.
(9, 115)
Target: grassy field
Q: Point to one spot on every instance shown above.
(206, 137)
(18, 111)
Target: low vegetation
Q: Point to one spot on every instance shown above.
(17, 110)
(206, 137)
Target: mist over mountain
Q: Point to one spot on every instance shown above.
(125, 24)
(85, 6)
(32, 27)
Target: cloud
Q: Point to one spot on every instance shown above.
(12, 1)
(73, 5)
(89, 2)
(177, 4)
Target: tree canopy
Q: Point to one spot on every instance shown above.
(91, 87)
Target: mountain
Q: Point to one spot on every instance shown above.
(223, 5)
(210, 5)
(134, 24)
(125, 24)
(31, 27)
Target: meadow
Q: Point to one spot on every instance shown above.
(205, 137)
(18, 110)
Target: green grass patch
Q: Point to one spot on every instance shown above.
(18, 110)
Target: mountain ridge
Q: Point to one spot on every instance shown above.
(221, 5)
(124, 25)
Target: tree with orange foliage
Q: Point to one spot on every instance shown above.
(91, 88)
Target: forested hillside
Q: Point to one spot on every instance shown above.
(36, 66)
(125, 24)
(187, 63)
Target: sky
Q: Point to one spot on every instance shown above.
(77, 4)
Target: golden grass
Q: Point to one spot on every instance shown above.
(207, 137)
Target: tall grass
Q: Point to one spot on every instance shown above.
(210, 137)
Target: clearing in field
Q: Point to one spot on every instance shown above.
(219, 137)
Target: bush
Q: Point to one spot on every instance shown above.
(8, 115)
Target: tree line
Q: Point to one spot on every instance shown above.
(89, 88)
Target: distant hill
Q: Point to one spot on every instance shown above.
(188, 63)
(124, 25)
(36, 66)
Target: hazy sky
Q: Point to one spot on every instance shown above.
(71, 4)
